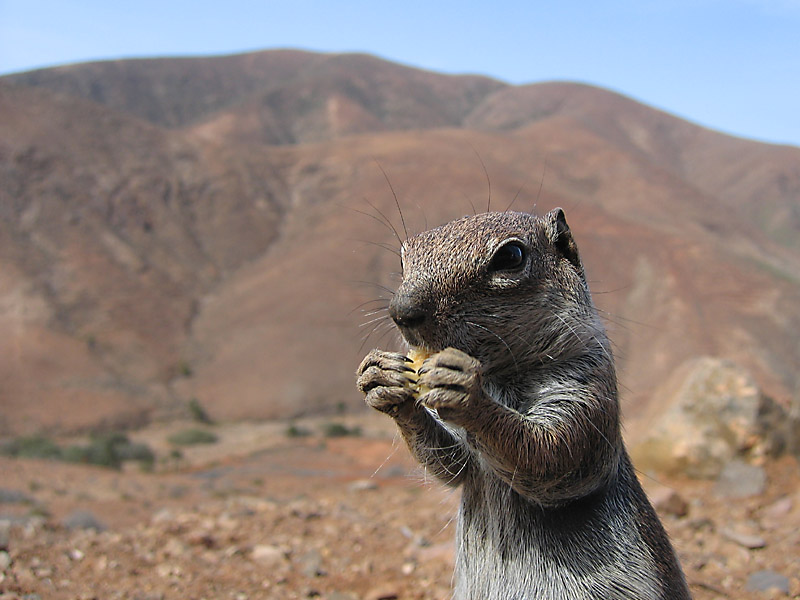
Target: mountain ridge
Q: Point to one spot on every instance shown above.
(194, 238)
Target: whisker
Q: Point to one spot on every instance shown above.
(371, 321)
(364, 304)
(471, 203)
(514, 199)
(502, 341)
(568, 326)
(449, 521)
(390, 328)
(395, 447)
(384, 220)
(602, 435)
(541, 185)
(382, 245)
(385, 324)
(488, 179)
(376, 325)
(456, 444)
(621, 321)
(464, 463)
(396, 202)
(388, 290)
(376, 311)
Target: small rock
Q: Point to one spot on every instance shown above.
(422, 541)
(83, 519)
(774, 515)
(8, 496)
(746, 540)
(207, 541)
(762, 581)
(164, 515)
(394, 472)
(701, 524)
(669, 502)
(311, 564)
(5, 560)
(740, 480)
(269, 555)
(102, 563)
(163, 570)
(444, 552)
(384, 592)
(341, 596)
(5, 530)
(43, 572)
(76, 555)
(362, 485)
(174, 547)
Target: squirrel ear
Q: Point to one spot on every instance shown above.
(561, 237)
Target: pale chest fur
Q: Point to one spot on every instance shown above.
(509, 549)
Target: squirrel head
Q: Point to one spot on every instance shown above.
(496, 285)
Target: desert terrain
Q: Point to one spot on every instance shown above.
(203, 243)
(262, 514)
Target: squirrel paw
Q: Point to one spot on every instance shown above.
(454, 380)
(383, 378)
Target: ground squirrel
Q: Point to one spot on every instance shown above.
(517, 404)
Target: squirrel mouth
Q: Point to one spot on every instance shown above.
(412, 337)
(418, 340)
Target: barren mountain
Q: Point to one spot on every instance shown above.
(112, 231)
(171, 92)
(182, 228)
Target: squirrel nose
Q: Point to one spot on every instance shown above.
(406, 312)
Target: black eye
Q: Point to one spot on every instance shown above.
(508, 257)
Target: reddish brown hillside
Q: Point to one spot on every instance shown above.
(759, 182)
(111, 231)
(350, 94)
(273, 97)
(225, 259)
(171, 92)
(670, 286)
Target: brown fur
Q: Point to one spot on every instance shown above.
(521, 412)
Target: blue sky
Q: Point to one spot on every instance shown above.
(733, 65)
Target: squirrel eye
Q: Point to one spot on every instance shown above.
(508, 257)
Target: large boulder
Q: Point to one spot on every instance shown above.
(713, 412)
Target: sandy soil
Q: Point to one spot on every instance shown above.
(265, 515)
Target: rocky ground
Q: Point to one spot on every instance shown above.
(262, 514)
